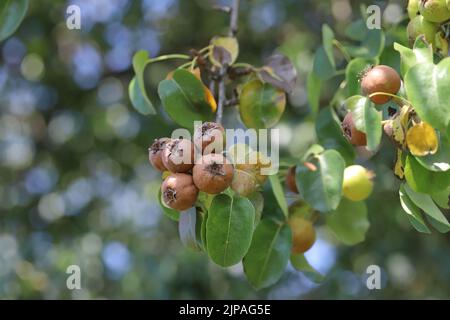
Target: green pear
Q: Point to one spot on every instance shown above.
(441, 44)
(435, 10)
(419, 26)
(413, 8)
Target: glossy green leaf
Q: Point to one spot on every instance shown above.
(422, 180)
(440, 161)
(421, 53)
(188, 225)
(349, 221)
(184, 99)
(371, 47)
(313, 87)
(428, 89)
(352, 74)
(279, 194)
(300, 263)
(329, 134)
(322, 188)
(368, 119)
(169, 212)
(425, 202)
(12, 13)
(269, 253)
(323, 67)
(261, 104)
(414, 215)
(229, 229)
(140, 102)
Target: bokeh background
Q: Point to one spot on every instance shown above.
(76, 186)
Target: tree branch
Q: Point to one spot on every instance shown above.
(234, 18)
(234, 12)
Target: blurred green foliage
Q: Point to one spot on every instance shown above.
(76, 186)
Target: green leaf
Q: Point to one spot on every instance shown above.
(313, 87)
(425, 202)
(414, 214)
(269, 253)
(188, 224)
(327, 39)
(169, 212)
(352, 73)
(12, 13)
(300, 263)
(137, 99)
(427, 87)
(322, 188)
(203, 232)
(442, 198)
(140, 102)
(261, 105)
(371, 47)
(229, 229)
(323, 67)
(329, 134)
(257, 201)
(373, 127)
(357, 30)
(349, 221)
(422, 53)
(368, 120)
(313, 151)
(422, 180)
(184, 98)
(279, 194)
(440, 161)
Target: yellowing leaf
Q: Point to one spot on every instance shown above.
(405, 112)
(399, 169)
(224, 50)
(398, 131)
(210, 99)
(422, 139)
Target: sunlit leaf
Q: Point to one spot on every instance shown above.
(427, 86)
(261, 105)
(422, 180)
(349, 221)
(414, 214)
(183, 98)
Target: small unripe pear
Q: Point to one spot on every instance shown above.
(303, 234)
(358, 184)
(434, 10)
(419, 26)
(413, 8)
